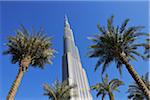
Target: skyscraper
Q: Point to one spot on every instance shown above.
(72, 67)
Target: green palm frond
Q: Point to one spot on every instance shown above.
(147, 47)
(105, 80)
(115, 83)
(103, 96)
(101, 29)
(36, 45)
(106, 86)
(119, 67)
(100, 92)
(58, 91)
(113, 41)
(123, 26)
(99, 62)
(110, 24)
(49, 91)
(97, 86)
(134, 91)
(106, 64)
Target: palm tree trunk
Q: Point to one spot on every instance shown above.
(15, 85)
(136, 77)
(24, 64)
(111, 96)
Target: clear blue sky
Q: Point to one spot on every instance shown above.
(83, 17)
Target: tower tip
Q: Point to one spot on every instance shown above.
(66, 21)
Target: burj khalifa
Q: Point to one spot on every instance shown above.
(72, 69)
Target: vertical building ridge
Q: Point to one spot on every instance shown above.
(72, 67)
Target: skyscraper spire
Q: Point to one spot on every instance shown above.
(72, 68)
(66, 22)
(67, 29)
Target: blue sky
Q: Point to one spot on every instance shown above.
(83, 17)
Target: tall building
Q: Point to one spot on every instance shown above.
(72, 67)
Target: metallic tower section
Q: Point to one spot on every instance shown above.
(72, 67)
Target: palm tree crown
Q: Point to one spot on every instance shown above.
(118, 44)
(115, 41)
(58, 91)
(147, 47)
(35, 48)
(107, 87)
(135, 91)
(28, 49)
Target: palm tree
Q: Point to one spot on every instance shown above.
(118, 44)
(107, 87)
(147, 47)
(35, 50)
(135, 92)
(58, 91)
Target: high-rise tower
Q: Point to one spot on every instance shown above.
(72, 67)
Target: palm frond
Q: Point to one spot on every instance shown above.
(112, 41)
(119, 66)
(110, 24)
(135, 91)
(103, 96)
(49, 91)
(123, 26)
(99, 62)
(106, 64)
(36, 44)
(100, 92)
(106, 86)
(101, 29)
(115, 84)
(59, 91)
